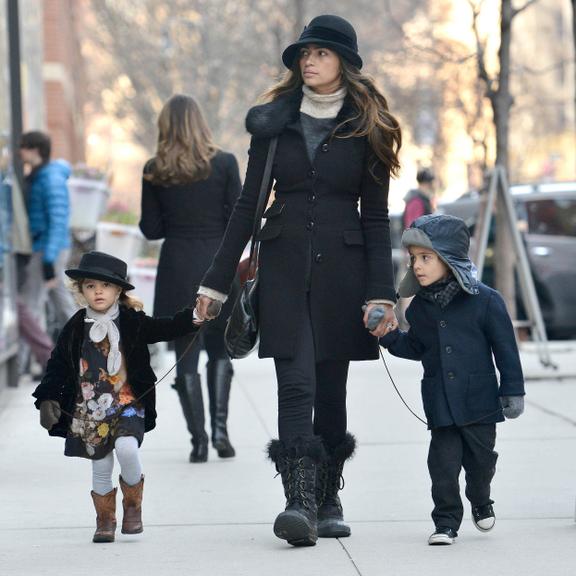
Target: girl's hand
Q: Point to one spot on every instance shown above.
(207, 308)
(388, 323)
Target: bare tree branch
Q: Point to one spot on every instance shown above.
(517, 11)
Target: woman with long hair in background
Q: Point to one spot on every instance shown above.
(188, 191)
(325, 253)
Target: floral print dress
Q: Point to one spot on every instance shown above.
(101, 414)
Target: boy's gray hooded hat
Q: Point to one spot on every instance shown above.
(448, 236)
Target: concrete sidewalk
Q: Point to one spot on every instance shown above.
(216, 518)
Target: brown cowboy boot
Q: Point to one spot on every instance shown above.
(132, 504)
(105, 516)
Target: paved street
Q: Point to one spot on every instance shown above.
(216, 518)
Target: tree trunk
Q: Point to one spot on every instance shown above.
(501, 104)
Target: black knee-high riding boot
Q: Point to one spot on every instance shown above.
(220, 374)
(189, 388)
(296, 462)
(329, 481)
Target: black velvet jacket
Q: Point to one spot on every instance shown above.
(137, 330)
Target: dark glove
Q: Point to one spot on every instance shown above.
(49, 413)
(512, 406)
(48, 271)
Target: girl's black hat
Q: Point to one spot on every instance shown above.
(101, 266)
(331, 31)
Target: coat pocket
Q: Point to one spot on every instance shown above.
(353, 237)
(428, 389)
(269, 232)
(482, 393)
(274, 210)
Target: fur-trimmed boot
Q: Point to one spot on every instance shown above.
(296, 462)
(189, 388)
(329, 481)
(105, 516)
(219, 375)
(132, 504)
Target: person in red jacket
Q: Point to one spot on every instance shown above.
(420, 201)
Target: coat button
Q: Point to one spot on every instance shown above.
(310, 225)
(312, 173)
(448, 349)
(325, 147)
(318, 258)
(451, 375)
(442, 323)
(312, 198)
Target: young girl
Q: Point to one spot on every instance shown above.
(98, 391)
(457, 326)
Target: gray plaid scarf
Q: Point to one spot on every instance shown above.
(441, 292)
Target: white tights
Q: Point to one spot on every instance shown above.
(126, 448)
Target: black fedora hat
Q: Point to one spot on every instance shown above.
(101, 266)
(331, 31)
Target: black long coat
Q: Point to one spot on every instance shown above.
(192, 217)
(455, 346)
(60, 382)
(315, 240)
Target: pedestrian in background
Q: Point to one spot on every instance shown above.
(98, 391)
(188, 191)
(420, 201)
(457, 326)
(48, 215)
(320, 259)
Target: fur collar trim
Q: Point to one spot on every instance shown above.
(270, 119)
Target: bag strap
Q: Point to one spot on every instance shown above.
(262, 200)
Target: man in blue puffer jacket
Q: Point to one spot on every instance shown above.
(48, 214)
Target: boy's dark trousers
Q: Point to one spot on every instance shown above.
(452, 448)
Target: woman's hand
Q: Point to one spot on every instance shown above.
(207, 308)
(388, 323)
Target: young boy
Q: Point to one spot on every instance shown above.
(456, 325)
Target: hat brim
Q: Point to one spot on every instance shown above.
(79, 274)
(289, 55)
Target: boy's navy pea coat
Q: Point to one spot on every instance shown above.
(61, 380)
(457, 346)
(317, 248)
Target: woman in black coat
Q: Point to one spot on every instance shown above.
(188, 191)
(321, 260)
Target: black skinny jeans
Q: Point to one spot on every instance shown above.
(311, 395)
(211, 339)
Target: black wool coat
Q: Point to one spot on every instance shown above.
(456, 346)
(317, 248)
(192, 217)
(61, 380)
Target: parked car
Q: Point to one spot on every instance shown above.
(546, 215)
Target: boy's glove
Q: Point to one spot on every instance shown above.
(512, 406)
(49, 413)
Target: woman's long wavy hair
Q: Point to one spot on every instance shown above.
(185, 145)
(372, 118)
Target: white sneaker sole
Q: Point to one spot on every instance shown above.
(485, 525)
(440, 540)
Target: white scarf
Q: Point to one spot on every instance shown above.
(322, 105)
(103, 325)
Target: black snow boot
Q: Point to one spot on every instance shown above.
(189, 388)
(329, 481)
(220, 374)
(296, 462)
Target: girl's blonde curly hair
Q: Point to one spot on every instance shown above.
(124, 299)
